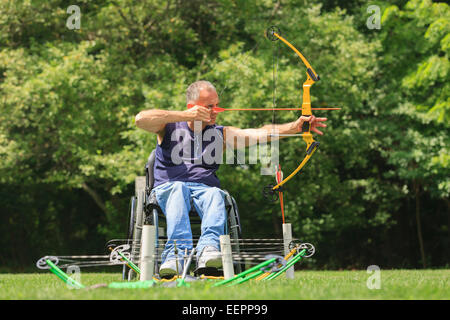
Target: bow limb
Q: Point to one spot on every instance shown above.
(289, 177)
(310, 71)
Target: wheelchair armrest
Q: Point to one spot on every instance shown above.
(149, 177)
(151, 204)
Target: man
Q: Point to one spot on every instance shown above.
(189, 178)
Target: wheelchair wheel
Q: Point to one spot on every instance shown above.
(234, 229)
(130, 231)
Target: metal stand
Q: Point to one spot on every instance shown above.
(147, 261)
(227, 258)
(287, 238)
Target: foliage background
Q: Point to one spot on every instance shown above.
(376, 192)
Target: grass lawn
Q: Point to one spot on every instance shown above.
(307, 285)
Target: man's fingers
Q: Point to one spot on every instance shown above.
(317, 131)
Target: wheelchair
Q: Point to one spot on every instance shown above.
(144, 209)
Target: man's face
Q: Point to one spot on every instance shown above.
(209, 99)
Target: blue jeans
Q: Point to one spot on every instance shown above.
(175, 199)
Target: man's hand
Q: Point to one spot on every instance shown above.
(199, 113)
(314, 122)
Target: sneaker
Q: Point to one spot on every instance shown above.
(209, 258)
(169, 268)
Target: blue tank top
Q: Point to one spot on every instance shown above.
(184, 156)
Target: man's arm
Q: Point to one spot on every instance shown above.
(269, 132)
(251, 136)
(155, 120)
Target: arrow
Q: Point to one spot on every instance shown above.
(219, 109)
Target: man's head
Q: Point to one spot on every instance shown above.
(203, 93)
